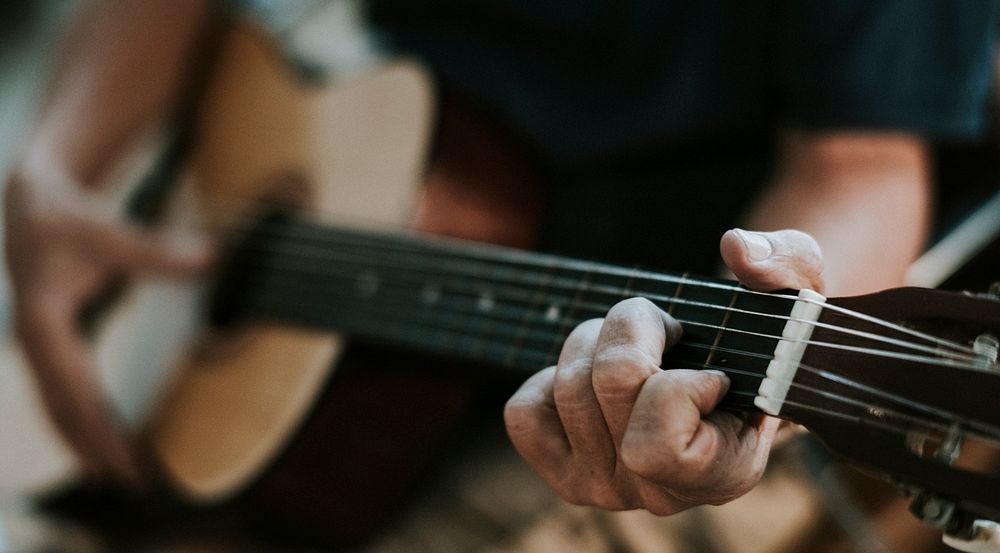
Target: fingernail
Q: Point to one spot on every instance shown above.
(758, 247)
(716, 372)
(726, 382)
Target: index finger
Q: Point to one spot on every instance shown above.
(629, 350)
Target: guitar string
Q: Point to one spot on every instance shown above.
(874, 422)
(951, 359)
(248, 210)
(987, 430)
(466, 249)
(595, 308)
(827, 375)
(601, 309)
(444, 247)
(982, 429)
(570, 284)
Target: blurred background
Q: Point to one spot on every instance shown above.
(809, 486)
(29, 33)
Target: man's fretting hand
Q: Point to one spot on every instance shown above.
(607, 426)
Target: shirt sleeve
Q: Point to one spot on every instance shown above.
(923, 66)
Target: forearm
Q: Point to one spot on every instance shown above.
(864, 197)
(123, 65)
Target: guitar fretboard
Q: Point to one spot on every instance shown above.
(495, 306)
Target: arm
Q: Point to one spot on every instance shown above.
(124, 66)
(865, 197)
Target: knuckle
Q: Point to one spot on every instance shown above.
(627, 315)
(517, 410)
(579, 498)
(604, 494)
(804, 248)
(584, 335)
(625, 356)
(660, 502)
(694, 466)
(611, 502)
(573, 368)
(637, 458)
(572, 385)
(662, 508)
(571, 492)
(520, 413)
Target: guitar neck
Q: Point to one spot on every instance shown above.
(498, 307)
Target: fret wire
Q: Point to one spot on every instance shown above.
(722, 328)
(564, 330)
(523, 327)
(677, 294)
(676, 300)
(627, 291)
(731, 351)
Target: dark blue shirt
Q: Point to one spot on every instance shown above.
(586, 79)
(658, 118)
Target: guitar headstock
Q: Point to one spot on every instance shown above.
(906, 383)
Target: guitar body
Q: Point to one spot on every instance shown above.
(353, 152)
(311, 439)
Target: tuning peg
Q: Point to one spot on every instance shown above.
(984, 538)
(934, 510)
(993, 292)
(986, 347)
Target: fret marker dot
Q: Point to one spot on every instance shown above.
(430, 294)
(485, 302)
(552, 313)
(368, 283)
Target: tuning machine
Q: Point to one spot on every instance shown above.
(983, 537)
(936, 511)
(960, 530)
(986, 347)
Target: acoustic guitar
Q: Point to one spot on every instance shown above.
(229, 375)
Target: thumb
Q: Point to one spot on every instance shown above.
(768, 261)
